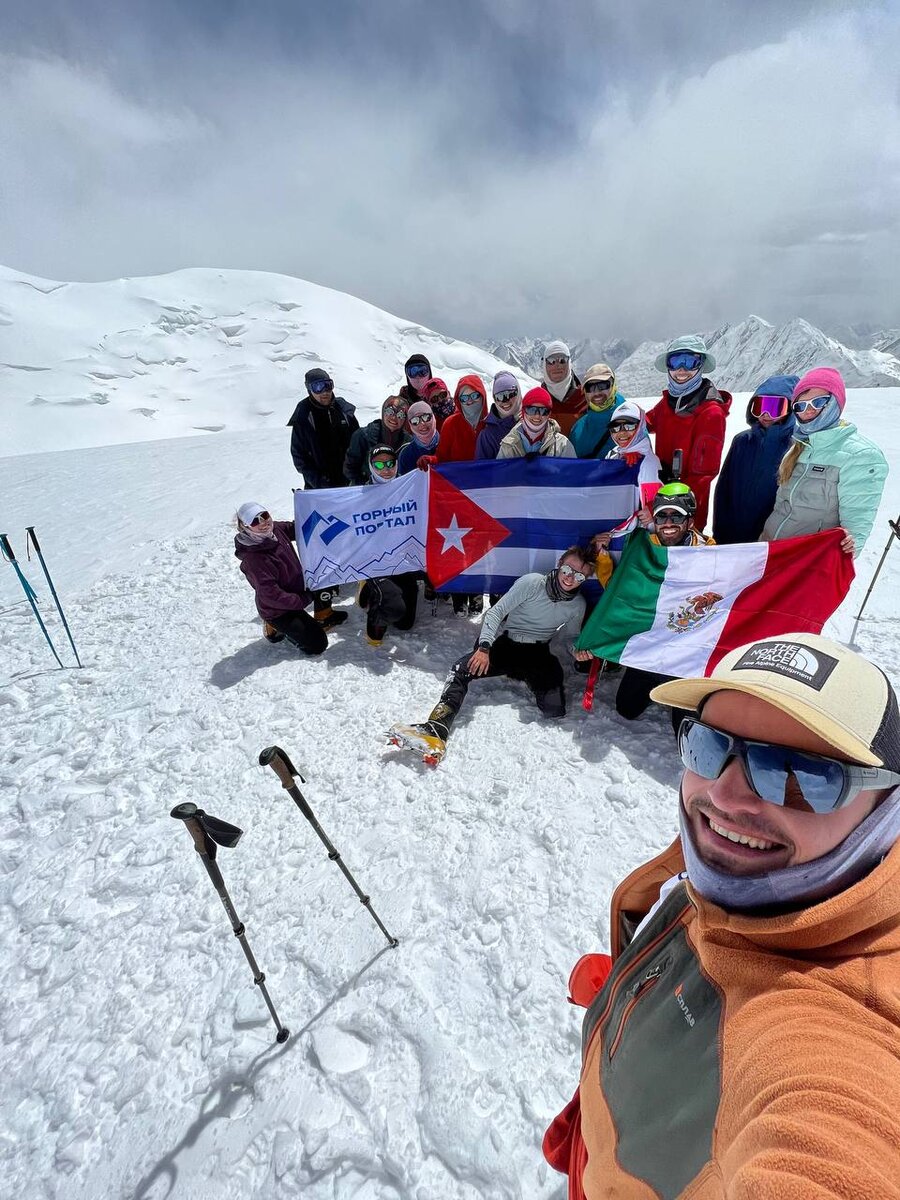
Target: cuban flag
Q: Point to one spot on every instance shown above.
(472, 527)
(492, 521)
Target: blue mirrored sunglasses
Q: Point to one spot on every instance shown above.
(683, 360)
(824, 783)
(805, 405)
(417, 371)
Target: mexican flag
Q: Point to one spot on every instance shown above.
(677, 611)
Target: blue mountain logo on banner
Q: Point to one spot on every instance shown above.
(334, 527)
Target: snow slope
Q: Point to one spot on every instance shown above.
(87, 364)
(137, 1056)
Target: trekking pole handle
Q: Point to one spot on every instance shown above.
(187, 813)
(275, 757)
(8, 553)
(34, 538)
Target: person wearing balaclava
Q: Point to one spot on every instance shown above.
(689, 419)
(438, 396)
(832, 477)
(536, 434)
(264, 548)
(390, 599)
(590, 433)
(503, 414)
(417, 371)
(748, 481)
(563, 385)
(387, 430)
(425, 438)
(460, 432)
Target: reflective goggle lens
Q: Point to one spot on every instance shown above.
(417, 371)
(683, 360)
(568, 572)
(536, 410)
(260, 518)
(321, 385)
(556, 360)
(421, 418)
(770, 406)
(384, 464)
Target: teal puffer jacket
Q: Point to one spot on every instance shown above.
(837, 481)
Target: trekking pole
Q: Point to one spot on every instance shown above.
(30, 534)
(276, 758)
(10, 557)
(208, 832)
(895, 533)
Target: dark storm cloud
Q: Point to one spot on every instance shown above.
(481, 166)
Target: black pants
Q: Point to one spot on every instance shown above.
(633, 696)
(302, 631)
(532, 662)
(392, 600)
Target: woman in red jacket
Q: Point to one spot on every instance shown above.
(690, 419)
(460, 432)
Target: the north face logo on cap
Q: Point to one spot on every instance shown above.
(790, 659)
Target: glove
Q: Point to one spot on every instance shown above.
(632, 459)
(426, 461)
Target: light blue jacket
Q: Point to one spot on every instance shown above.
(837, 481)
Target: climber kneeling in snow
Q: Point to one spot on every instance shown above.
(269, 561)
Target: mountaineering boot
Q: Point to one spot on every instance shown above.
(363, 593)
(476, 604)
(271, 634)
(328, 618)
(424, 739)
(374, 632)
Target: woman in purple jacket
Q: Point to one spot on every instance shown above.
(268, 559)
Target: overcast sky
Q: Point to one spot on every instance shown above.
(615, 167)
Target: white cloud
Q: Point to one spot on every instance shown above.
(764, 182)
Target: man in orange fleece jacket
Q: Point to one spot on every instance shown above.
(746, 1041)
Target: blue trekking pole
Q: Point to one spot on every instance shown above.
(29, 533)
(10, 557)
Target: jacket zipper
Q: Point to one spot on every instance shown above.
(645, 953)
(640, 989)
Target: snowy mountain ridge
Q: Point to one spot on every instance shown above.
(199, 350)
(746, 353)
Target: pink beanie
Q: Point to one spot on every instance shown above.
(823, 377)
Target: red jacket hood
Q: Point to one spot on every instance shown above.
(476, 384)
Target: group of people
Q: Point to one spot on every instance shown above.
(800, 467)
(742, 1037)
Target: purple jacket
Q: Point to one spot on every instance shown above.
(495, 430)
(274, 572)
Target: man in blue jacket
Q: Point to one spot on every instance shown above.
(748, 481)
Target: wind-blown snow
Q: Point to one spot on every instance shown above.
(138, 1059)
(89, 364)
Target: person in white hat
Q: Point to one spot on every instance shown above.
(745, 1040)
(564, 386)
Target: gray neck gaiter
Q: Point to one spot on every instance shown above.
(808, 883)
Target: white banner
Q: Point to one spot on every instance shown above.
(344, 534)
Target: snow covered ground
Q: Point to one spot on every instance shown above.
(137, 1056)
(127, 360)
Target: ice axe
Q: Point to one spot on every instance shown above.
(275, 757)
(208, 833)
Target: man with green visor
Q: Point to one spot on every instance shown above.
(743, 1040)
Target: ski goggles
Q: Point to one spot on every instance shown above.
(321, 385)
(623, 426)
(683, 360)
(568, 572)
(259, 519)
(556, 360)
(670, 516)
(421, 418)
(536, 410)
(395, 410)
(506, 397)
(775, 407)
(825, 783)
(417, 371)
(384, 464)
(597, 385)
(799, 406)
(469, 398)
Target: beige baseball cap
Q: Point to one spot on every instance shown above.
(830, 689)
